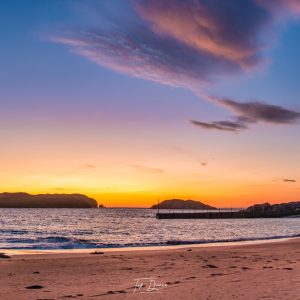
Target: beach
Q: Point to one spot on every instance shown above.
(268, 270)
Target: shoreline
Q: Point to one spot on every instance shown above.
(248, 271)
(17, 252)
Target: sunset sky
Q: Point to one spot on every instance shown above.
(133, 101)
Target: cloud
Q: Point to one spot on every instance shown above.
(220, 125)
(147, 55)
(292, 6)
(289, 180)
(187, 44)
(180, 43)
(148, 169)
(253, 112)
(248, 113)
(216, 27)
(88, 166)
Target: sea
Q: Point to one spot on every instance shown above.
(120, 227)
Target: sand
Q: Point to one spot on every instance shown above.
(268, 270)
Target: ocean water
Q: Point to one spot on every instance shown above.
(93, 228)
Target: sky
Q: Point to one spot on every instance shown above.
(129, 102)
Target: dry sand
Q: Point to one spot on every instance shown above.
(255, 271)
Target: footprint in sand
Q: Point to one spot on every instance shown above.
(210, 266)
(34, 287)
(116, 292)
(175, 282)
(109, 293)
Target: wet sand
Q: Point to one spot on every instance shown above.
(268, 270)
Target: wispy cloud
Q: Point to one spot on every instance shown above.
(249, 113)
(148, 169)
(289, 180)
(187, 44)
(220, 125)
(252, 112)
(88, 166)
(216, 27)
(293, 6)
(182, 43)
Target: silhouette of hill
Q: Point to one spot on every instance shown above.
(24, 200)
(182, 204)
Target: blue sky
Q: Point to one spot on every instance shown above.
(54, 101)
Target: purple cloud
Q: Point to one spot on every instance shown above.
(248, 113)
(187, 43)
(253, 112)
(221, 125)
(180, 43)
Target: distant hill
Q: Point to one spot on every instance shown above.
(182, 204)
(275, 210)
(24, 200)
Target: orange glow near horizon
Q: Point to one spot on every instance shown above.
(226, 196)
(140, 174)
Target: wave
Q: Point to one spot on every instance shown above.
(50, 242)
(60, 242)
(210, 241)
(13, 231)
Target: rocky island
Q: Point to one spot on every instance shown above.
(265, 210)
(182, 204)
(24, 200)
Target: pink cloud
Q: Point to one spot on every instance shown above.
(217, 27)
(184, 43)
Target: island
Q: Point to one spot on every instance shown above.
(24, 200)
(182, 204)
(267, 210)
(264, 210)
